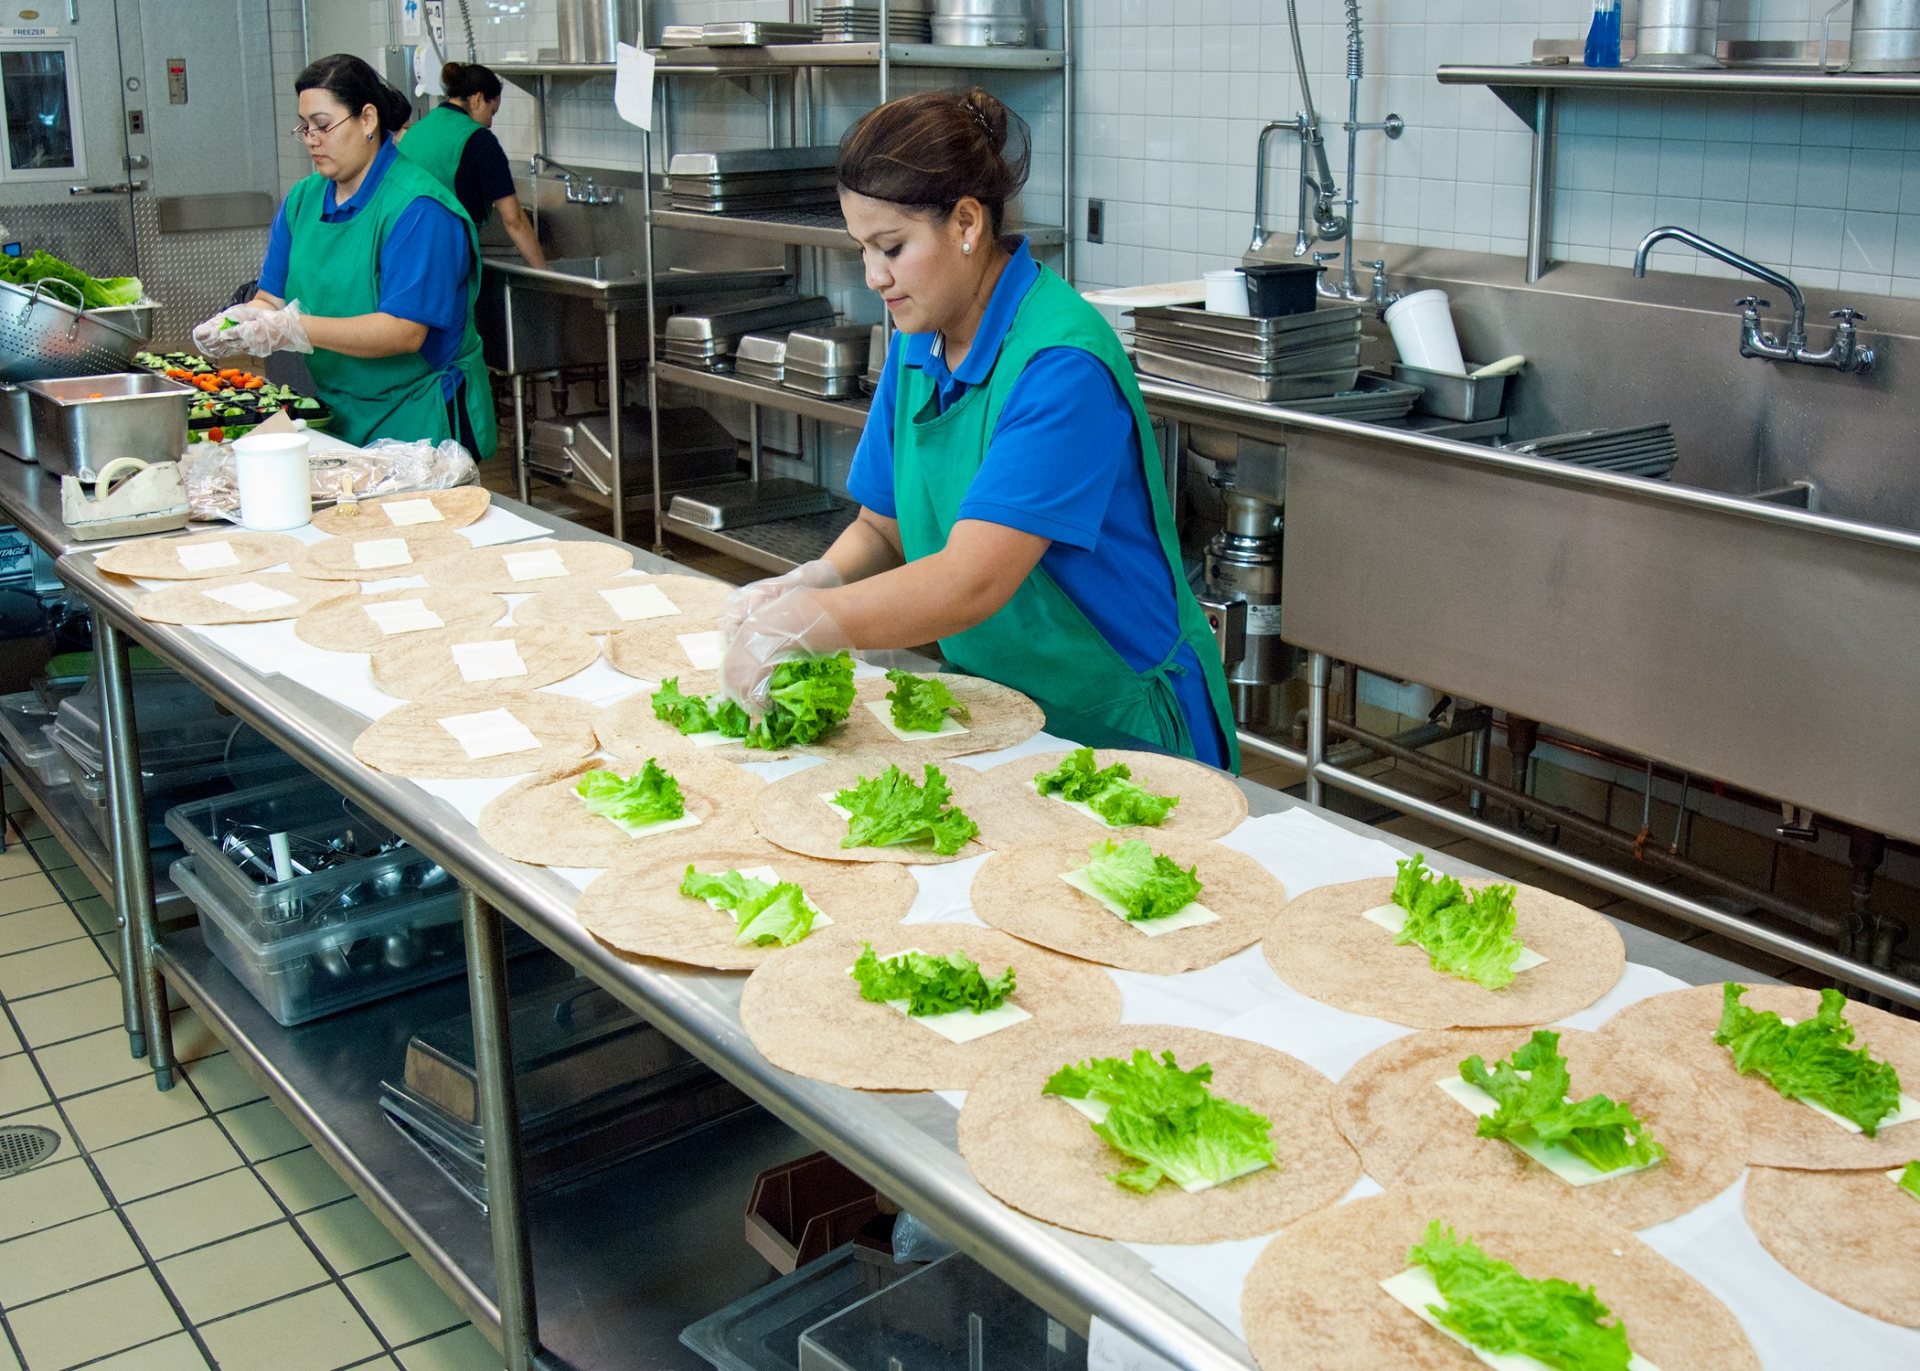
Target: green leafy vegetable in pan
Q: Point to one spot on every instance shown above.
(889, 810)
(1168, 1120)
(1810, 1060)
(1140, 880)
(1465, 934)
(929, 984)
(1531, 1089)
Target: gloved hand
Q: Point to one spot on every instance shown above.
(819, 574)
(255, 330)
(796, 624)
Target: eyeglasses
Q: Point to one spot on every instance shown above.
(312, 130)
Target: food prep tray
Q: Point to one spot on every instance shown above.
(24, 720)
(1451, 396)
(751, 33)
(80, 423)
(252, 761)
(754, 372)
(744, 503)
(1319, 357)
(1191, 316)
(751, 161)
(1240, 386)
(712, 331)
(1373, 399)
(1204, 329)
(841, 350)
(825, 387)
(16, 421)
(774, 201)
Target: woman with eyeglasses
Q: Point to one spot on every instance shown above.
(455, 142)
(372, 267)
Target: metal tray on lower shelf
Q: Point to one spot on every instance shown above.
(750, 502)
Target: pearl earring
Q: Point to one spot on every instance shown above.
(967, 249)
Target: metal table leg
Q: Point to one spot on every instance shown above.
(521, 484)
(1319, 673)
(499, 1110)
(139, 974)
(619, 470)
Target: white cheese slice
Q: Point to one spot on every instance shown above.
(535, 566)
(1415, 1289)
(403, 616)
(206, 556)
(713, 737)
(1097, 1110)
(1191, 916)
(490, 733)
(1393, 918)
(638, 602)
(839, 809)
(401, 513)
(1078, 806)
(883, 711)
(1895, 1175)
(372, 554)
(1572, 1169)
(963, 1025)
(492, 660)
(250, 596)
(658, 826)
(702, 649)
(771, 877)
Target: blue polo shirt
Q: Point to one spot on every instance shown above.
(423, 264)
(1063, 464)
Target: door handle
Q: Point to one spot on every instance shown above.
(136, 161)
(118, 188)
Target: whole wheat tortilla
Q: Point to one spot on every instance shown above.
(343, 625)
(1321, 947)
(332, 559)
(1314, 1297)
(637, 906)
(1041, 1155)
(1211, 805)
(191, 604)
(588, 563)
(1679, 1026)
(1019, 891)
(791, 813)
(410, 742)
(541, 821)
(1848, 1234)
(1390, 1108)
(419, 666)
(458, 507)
(651, 649)
(1000, 717)
(158, 559)
(804, 1011)
(698, 597)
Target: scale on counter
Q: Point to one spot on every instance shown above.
(744, 503)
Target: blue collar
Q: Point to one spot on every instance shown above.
(369, 186)
(1016, 278)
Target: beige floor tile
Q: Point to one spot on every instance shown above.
(50, 968)
(73, 885)
(192, 1039)
(93, 1322)
(176, 1353)
(317, 1331)
(403, 1302)
(350, 1237)
(83, 1064)
(32, 928)
(96, 914)
(70, 1013)
(130, 1110)
(203, 1212)
(58, 1259)
(17, 860)
(54, 1193)
(8, 1362)
(240, 1272)
(161, 1161)
(464, 1349)
(28, 891)
(222, 1082)
(9, 1040)
(261, 1131)
(20, 1085)
(303, 1180)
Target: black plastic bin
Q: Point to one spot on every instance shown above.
(1278, 288)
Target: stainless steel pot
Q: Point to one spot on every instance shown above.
(982, 23)
(589, 29)
(1678, 33)
(1886, 35)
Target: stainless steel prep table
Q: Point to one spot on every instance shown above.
(612, 1305)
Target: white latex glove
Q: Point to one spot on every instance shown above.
(256, 330)
(796, 624)
(819, 574)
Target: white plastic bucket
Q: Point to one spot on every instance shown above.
(276, 491)
(1226, 291)
(1422, 325)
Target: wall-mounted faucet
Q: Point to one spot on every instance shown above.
(1844, 353)
(578, 186)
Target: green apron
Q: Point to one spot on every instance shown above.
(333, 270)
(436, 143)
(1040, 642)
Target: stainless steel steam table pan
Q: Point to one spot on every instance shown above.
(697, 327)
(1239, 385)
(1247, 345)
(840, 350)
(751, 161)
(1314, 359)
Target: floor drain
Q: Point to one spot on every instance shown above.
(25, 1146)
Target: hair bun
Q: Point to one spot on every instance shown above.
(990, 114)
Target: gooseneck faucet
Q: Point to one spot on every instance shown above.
(1843, 354)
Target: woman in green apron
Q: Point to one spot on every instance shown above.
(1013, 506)
(373, 268)
(455, 142)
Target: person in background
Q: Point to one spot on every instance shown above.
(455, 142)
(373, 268)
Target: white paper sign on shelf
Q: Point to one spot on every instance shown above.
(633, 85)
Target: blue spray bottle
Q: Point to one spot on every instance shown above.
(1603, 36)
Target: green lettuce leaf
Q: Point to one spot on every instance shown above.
(688, 713)
(1140, 880)
(95, 292)
(1910, 1179)
(1531, 1090)
(921, 703)
(1167, 1120)
(764, 915)
(650, 797)
(1494, 1307)
(1108, 791)
(1465, 934)
(1124, 804)
(930, 985)
(889, 810)
(810, 695)
(1810, 1060)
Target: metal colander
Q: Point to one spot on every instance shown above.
(42, 337)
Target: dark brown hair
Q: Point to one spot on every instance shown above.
(930, 151)
(459, 80)
(356, 85)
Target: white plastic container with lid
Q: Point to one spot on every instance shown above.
(1423, 332)
(276, 491)
(1226, 291)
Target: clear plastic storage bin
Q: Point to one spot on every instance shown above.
(343, 860)
(378, 951)
(179, 724)
(252, 761)
(23, 726)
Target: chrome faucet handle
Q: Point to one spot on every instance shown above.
(1848, 315)
(1320, 259)
(1752, 304)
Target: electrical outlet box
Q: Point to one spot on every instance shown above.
(1096, 221)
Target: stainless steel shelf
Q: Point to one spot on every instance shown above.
(850, 413)
(626, 1259)
(1712, 81)
(528, 75)
(776, 546)
(780, 58)
(816, 228)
